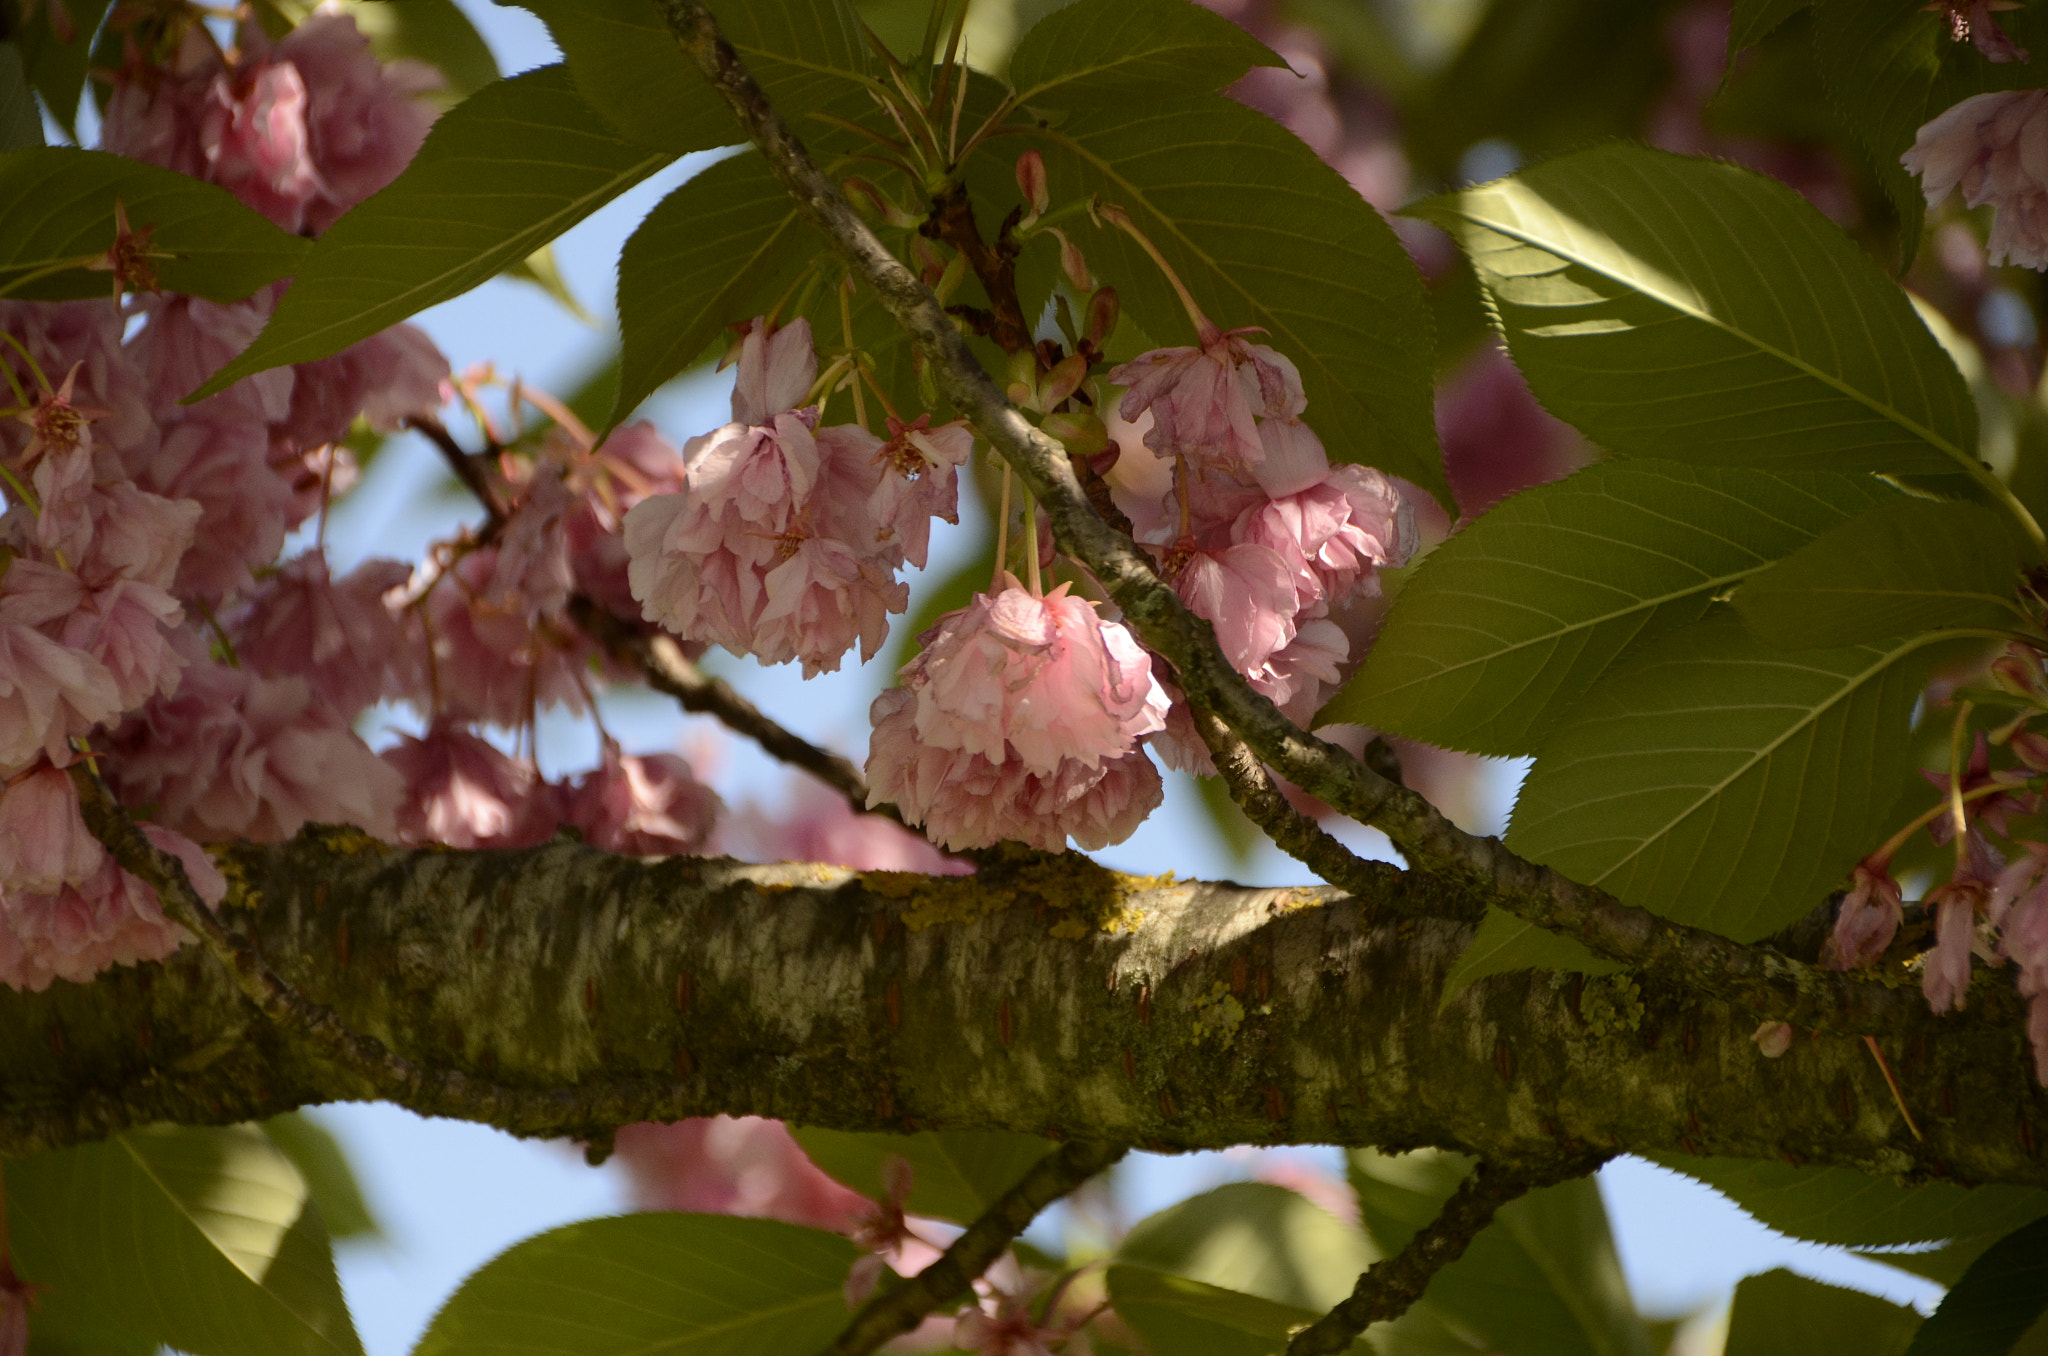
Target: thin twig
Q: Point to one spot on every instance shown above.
(465, 467)
(1898, 1098)
(1389, 1288)
(895, 1312)
(1688, 956)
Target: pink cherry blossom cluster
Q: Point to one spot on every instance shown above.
(1251, 524)
(785, 538)
(143, 609)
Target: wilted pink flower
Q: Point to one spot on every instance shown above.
(1204, 401)
(812, 823)
(882, 1230)
(1995, 148)
(111, 918)
(1868, 919)
(1946, 976)
(76, 344)
(1009, 1331)
(44, 843)
(1970, 20)
(1995, 810)
(727, 1165)
(918, 482)
(646, 806)
(232, 754)
(335, 634)
(463, 792)
(48, 690)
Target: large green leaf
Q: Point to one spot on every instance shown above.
(330, 1180)
(1722, 782)
(1190, 1318)
(1698, 311)
(57, 68)
(1509, 622)
(198, 1239)
(1399, 1193)
(1844, 1206)
(1944, 1264)
(955, 1174)
(60, 208)
(1264, 234)
(1891, 66)
(21, 122)
(1780, 1314)
(805, 53)
(498, 177)
(1754, 20)
(1504, 943)
(1261, 1239)
(1997, 1300)
(1913, 565)
(681, 1285)
(1543, 1280)
(1099, 51)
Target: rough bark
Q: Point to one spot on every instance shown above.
(575, 991)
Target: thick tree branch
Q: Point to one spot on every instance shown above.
(1389, 1288)
(563, 991)
(1666, 951)
(897, 1311)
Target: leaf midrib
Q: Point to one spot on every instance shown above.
(1880, 408)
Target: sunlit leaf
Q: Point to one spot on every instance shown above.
(1101, 50)
(330, 1180)
(1261, 1239)
(1191, 1318)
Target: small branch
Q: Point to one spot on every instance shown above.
(1682, 955)
(897, 1311)
(1389, 1288)
(465, 468)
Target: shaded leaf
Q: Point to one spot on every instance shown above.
(1697, 311)
(499, 177)
(1504, 943)
(21, 122)
(1507, 624)
(1945, 1264)
(1755, 20)
(956, 1174)
(330, 1180)
(1724, 783)
(1780, 1314)
(1914, 565)
(197, 1239)
(1233, 829)
(1399, 1193)
(1173, 1313)
(1261, 1239)
(804, 53)
(1106, 50)
(1997, 1300)
(1844, 1206)
(1290, 247)
(61, 208)
(56, 68)
(689, 1285)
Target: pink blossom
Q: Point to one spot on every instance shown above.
(63, 490)
(44, 843)
(634, 462)
(918, 482)
(463, 792)
(1946, 976)
(364, 118)
(387, 378)
(1246, 592)
(730, 1165)
(1009, 1331)
(776, 371)
(77, 344)
(232, 754)
(812, 823)
(336, 634)
(136, 535)
(48, 691)
(187, 339)
(110, 918)
(1204, 401)
(645, 806)
(1995, 148)
(220, 462)
(1772, 1039)
(495, 657)
(126, 627)
(882, 1230)
(1867, 920)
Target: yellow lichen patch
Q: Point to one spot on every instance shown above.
(241, 893)
(931, 900)
(1218, 1013)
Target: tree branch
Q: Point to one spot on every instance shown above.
(897, 1311)
(563, 991)
(1669, 952)
(1389, 1288)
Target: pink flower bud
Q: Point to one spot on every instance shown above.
(1103, 310)
(1031, 182)
(1073, 263)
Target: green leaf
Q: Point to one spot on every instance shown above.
(804, 53)
(1724, 783)
(2001, 1296)
(330, 1181)
(1755, 20)
(1264, 1240)
(1944, 1264)
(1503, 943)
(1698, 311)
(1503, 627)
(21, 122)
(539, 268)
(1189, 1318)
(1543, 1280)
(955, 1174)
(1892, 67)
(1844, 1206)
(682, 1285)
(61, 208)
(197, 1239)
(500, 176)
(1909, 566)
(1780, 1314)
(1399, 1193)
(57, 69)
(1099, 51)
(1263, 233)
(1233, 829)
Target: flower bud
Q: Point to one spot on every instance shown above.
(930, 264)
(1103, 310)
(875, 203)
(1031, 182)
(1064, 379)
(1073, 263)
(1081, 432)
